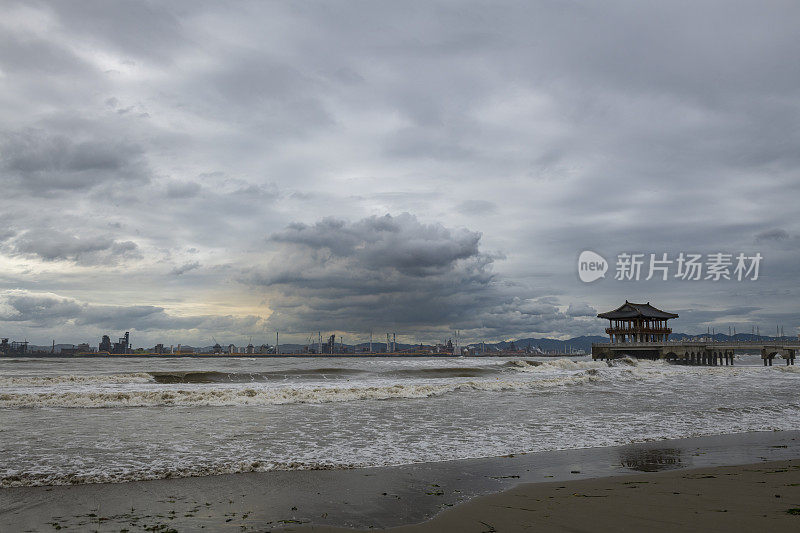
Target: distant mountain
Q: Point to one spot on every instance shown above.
(582, 343)
(739, 337)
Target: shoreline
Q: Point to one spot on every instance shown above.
(752, 497)
(377, 497)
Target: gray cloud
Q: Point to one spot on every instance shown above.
(53, 245)
(45, 163)
(393, 272)
(184, 268)
(36, 309)
(546, 128)
(183, 190)
(54, 312)
(581, 309)
(776, 234)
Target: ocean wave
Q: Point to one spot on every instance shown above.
(211, 376)
(445, 372)
(221, 377)
(270, 396)
(529, 365)
(43, 381)
(26, 479)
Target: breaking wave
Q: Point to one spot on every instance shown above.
(446, 372)
(212, 376)
(270, 396)
(43, 381)
(527, 365)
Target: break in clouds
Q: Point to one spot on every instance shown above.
(188, 170)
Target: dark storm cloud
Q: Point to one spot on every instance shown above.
(399, 243)
(393, 271)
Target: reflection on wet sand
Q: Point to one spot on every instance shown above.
(651, 459)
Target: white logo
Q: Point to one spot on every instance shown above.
(591, 266)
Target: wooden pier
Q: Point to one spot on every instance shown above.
(718, 353)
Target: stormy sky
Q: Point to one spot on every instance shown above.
(197, 170)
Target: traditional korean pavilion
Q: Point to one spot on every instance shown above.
(632, 322)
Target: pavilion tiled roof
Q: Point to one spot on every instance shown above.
(630, 310)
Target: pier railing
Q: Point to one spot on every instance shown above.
(659, 344)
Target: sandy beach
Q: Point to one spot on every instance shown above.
(758, 497)
(632, 486)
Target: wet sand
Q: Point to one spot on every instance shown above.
(760, 497)
(472, 490)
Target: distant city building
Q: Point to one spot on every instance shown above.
(13, 348)
(105, 344)
(123, 346)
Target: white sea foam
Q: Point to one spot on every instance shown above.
(480, 407)
(22, 479)
(526, 365)
(271, 395)
(43, 381)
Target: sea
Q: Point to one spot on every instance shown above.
(91, 420)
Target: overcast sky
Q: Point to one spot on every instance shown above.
(192, 170)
